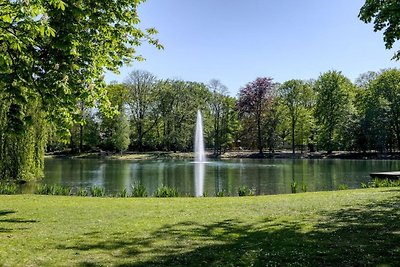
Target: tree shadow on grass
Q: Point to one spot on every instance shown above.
(4, 213)
(365, 236)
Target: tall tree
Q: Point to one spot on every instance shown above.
(385, 16)
(217, 105)
(296, 97)
(387, 90)
(121, 132)
(333, 107)
(142, 103)
(54, 53)
(178, 105)
(254, 100)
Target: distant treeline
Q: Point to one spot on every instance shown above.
(329, 113)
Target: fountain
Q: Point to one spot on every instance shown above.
(199, 156)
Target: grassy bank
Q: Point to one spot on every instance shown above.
(340, 228)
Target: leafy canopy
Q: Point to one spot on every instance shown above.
(58, 51)
(385, 16)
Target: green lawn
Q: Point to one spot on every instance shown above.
(342, 228)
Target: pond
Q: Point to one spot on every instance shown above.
(265, 176)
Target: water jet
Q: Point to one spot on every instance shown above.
(199, 156)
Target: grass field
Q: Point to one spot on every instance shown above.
(340, 228)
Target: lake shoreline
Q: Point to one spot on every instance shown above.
(284, 154)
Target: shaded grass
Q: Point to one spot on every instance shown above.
(341, 228)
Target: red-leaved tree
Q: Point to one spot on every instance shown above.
(254, 101)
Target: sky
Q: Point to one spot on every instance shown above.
(236, 41)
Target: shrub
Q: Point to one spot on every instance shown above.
(139, 190)
(166, 191)
(97, 191)
(245, 191)
(8, 189)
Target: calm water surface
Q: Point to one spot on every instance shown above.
(266, 176)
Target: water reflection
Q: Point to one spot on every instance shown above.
(269, 176)
(199, 168)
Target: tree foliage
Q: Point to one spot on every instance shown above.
(386, 90)
(334, 96)
(53, 55)
(254, 101)
(297, 97)
(224, 117)
(385, 16)
(142, 102)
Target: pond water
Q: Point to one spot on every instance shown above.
(266, 176)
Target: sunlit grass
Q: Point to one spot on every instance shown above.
(340, 228)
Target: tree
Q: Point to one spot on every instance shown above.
(217, 108)
(385, 16)
(54, 54)
(254, 100)
(333, 107)
(142, 102)
(387, 91)
(121, 133)
(296, 96)
(114, 131)
(178, 105)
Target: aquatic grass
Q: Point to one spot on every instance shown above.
(60, 190)
(221, 193)
(82, 192)
(123, 193)
(245, 191)
(343, 187)
(57, 190)
(166, 191)
(8, 189)
(293, 187)
(304, 187)
(138, 190)
(43, 189)
(97, 191)
(376, 183)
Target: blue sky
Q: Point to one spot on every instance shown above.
(237, 41)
